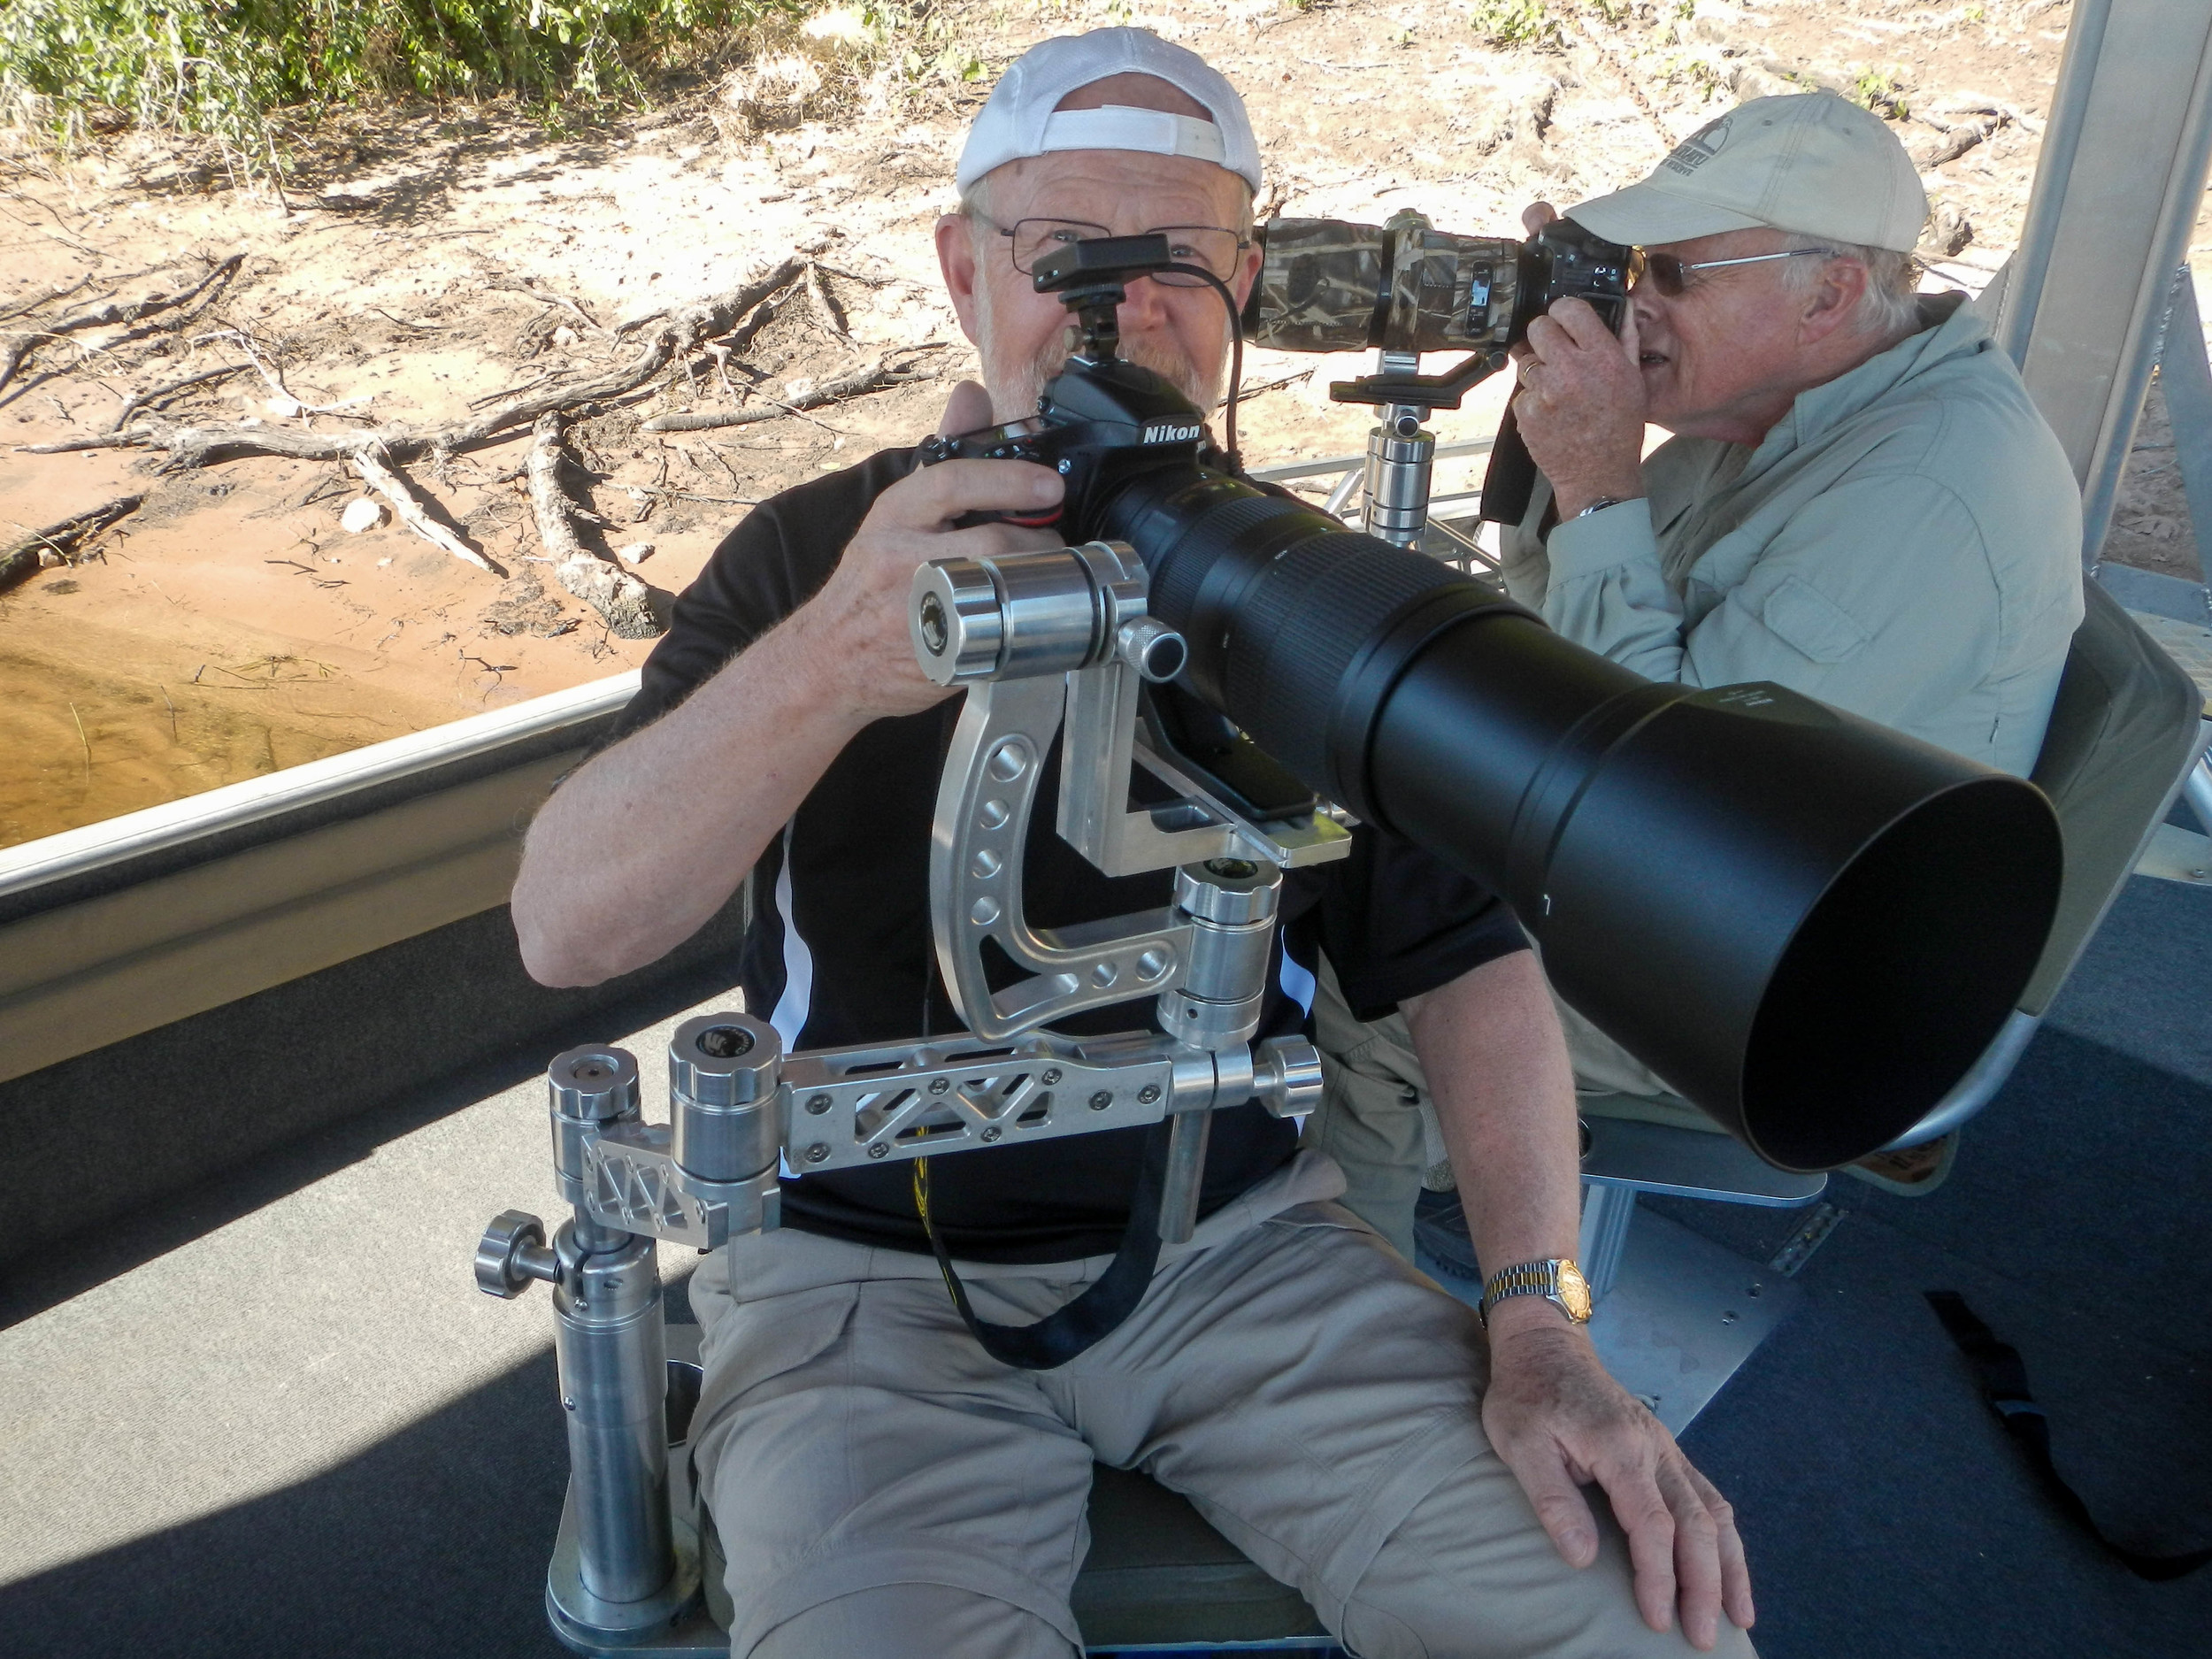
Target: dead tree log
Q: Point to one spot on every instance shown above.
(616, 594)
(680, 331)
(871, 376)
(19, 559)
(389, 485)
(21, 347)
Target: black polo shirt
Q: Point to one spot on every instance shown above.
(839, 950)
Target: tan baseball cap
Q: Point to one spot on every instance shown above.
(1811, 163)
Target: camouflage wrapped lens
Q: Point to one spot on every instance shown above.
(1328, 285)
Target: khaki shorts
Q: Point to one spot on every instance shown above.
(882, 1486)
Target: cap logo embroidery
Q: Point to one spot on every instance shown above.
(1699, 148)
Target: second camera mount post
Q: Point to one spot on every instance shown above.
(1401, 448)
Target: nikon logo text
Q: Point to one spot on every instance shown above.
(1165, 434)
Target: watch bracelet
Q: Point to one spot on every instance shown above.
(1525, 1279)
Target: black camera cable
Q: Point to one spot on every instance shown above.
(1236, 360)
(1065, 1332)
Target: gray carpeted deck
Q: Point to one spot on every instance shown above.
(275, 1418)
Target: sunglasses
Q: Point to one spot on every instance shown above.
(1667, 274)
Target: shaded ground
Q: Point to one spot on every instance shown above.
(264, 1418)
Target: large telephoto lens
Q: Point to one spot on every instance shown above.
(1807, 924)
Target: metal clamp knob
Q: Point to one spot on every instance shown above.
(724, 1123)
(1230, 891)
(954, 623)
(1156, 651)
(724, 1060)
(594, 1084)
(1286, 1076)
(512, 1253)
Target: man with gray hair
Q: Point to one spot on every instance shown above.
(1860, 503)
(883, 1484)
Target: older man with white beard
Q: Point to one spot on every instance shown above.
(882, 1484)
(1859, 502)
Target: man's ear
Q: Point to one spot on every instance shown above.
(1832, 301)
(1247, 274)
(956, 259)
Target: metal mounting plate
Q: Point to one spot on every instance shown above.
(876, 1103)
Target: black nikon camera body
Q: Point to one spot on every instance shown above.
(1100, 420)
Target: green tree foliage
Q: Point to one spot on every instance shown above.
(1503, 23)
(224, 69)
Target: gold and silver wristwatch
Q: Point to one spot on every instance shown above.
(1558, 1281)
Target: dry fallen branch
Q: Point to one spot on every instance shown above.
(130, 439)
(21, 559)
(389, 485)
(140, 400)
(871, 376)
(674, 333)
(45, 299)
(612, 592)
(1251, 389)
(21, 347)
(827, 310)
(1957, 140)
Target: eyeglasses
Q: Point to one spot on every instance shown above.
(1667, 272)
(1209, 247)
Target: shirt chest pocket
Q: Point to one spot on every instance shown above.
(1807, 619)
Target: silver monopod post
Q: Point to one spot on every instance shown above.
(1401, 464)
(621, 1566)
(1230, 905)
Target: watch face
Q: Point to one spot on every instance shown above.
(1574, 1293)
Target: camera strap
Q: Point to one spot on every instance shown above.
(2004, 1379)
(1067, 1330)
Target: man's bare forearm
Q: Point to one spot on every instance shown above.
(635, 852)
(1498, 1071)
(642, 845)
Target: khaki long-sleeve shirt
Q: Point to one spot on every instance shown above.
(1905, 545)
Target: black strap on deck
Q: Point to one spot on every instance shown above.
(2004, 1379)
(1067, 1330)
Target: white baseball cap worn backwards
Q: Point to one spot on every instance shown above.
(1022, 118)
(1810, 163)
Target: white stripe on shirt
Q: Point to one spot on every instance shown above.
(793, 1007)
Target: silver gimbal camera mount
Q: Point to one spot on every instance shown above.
(1041, 642)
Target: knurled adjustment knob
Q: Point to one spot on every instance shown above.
(594, 1084)
(1230, 891)
(512, 1253)
(724, 1060)
(1286, 1076)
